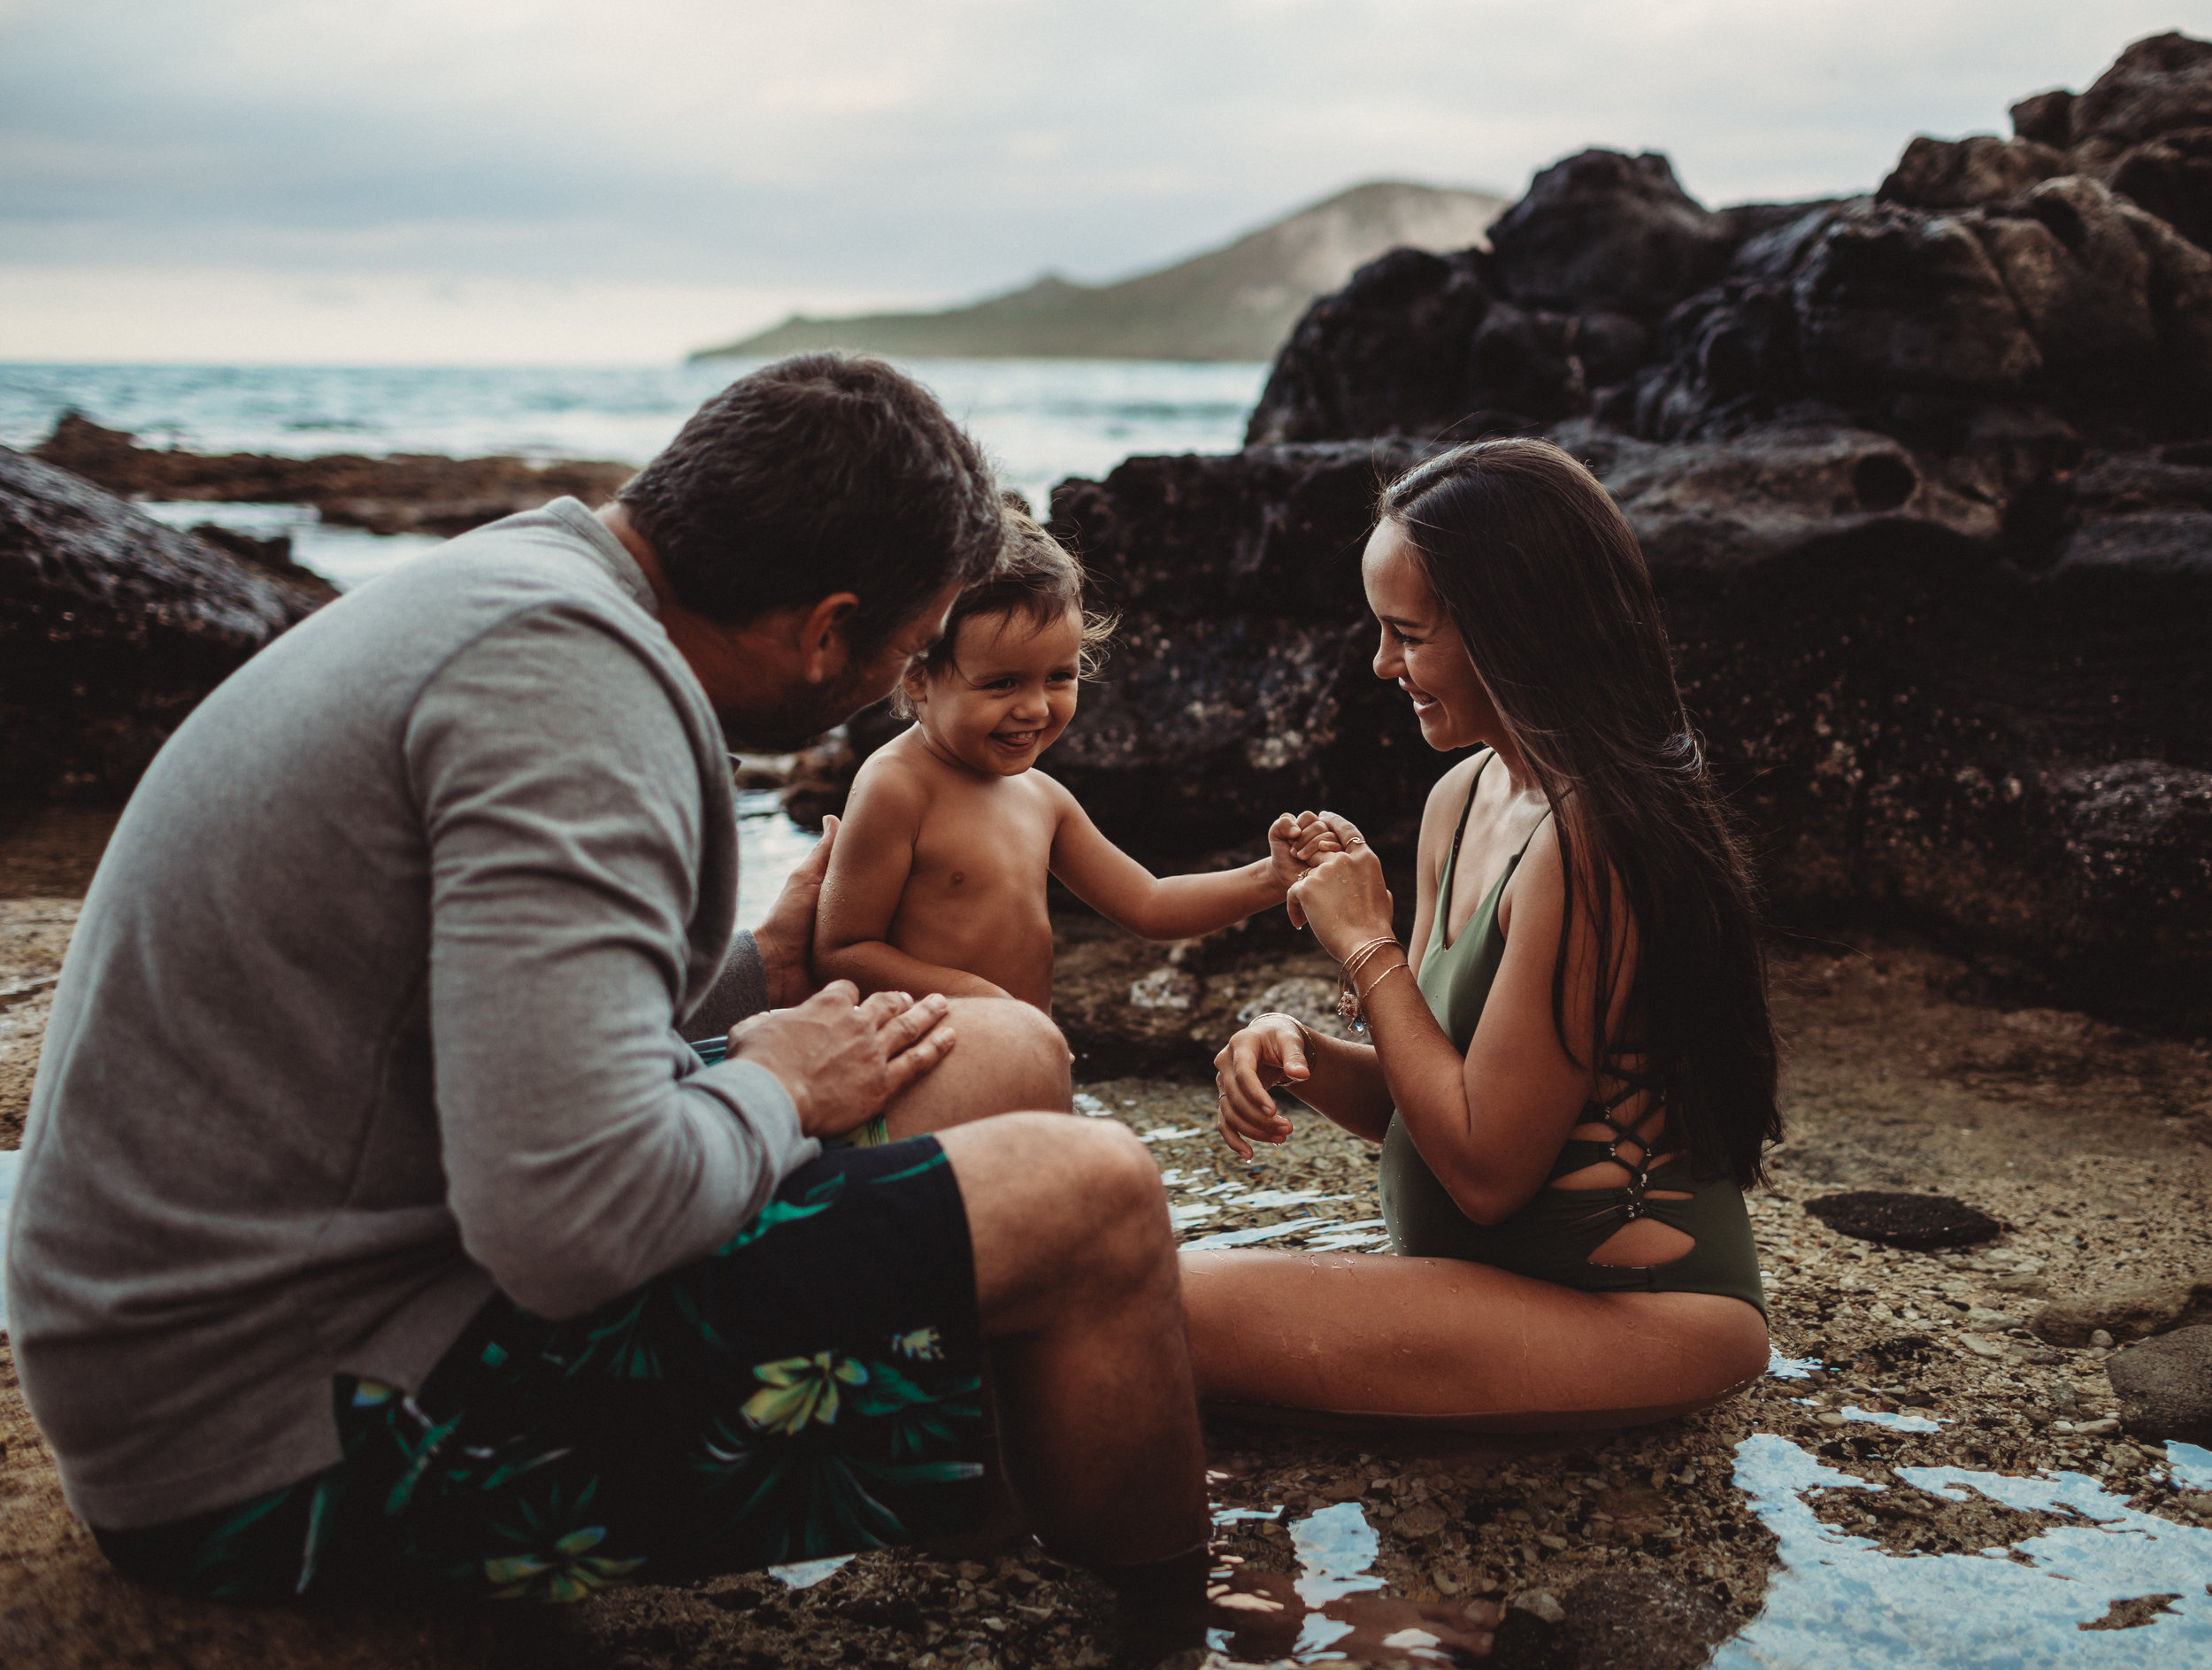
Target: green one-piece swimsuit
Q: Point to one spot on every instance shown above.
(1553, 1237)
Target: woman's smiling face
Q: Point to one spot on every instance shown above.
(1422, 652)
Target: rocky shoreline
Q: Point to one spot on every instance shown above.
(399, 493)
(1924, 479)
(2090, 1146)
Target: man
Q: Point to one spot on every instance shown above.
(377, 1230)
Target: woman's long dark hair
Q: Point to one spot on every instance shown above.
(1542, 576)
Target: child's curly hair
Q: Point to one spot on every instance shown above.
(1037, 578)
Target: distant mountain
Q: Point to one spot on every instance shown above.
(1234, 302)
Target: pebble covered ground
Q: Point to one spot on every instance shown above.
(2093, 1147)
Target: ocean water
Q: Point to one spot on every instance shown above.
(1042, 421)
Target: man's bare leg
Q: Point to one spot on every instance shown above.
(1008, 1056)
(1078, 1290)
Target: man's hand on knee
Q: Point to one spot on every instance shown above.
(842, 1059)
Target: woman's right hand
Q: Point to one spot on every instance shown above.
(1270, 1051)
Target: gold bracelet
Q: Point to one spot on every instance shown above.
(1386, 973)
(1349, 1007)
(1360, 955)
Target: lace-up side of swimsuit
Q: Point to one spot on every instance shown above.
(1586, 1227)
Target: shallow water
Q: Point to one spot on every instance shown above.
(1331, 1608)
(770, 847)
(1839, 1601)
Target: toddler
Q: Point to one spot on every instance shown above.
(937, 881)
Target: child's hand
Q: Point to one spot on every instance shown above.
(1295, 844)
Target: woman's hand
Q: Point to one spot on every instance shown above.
(1342, 898)
(1270, 1051)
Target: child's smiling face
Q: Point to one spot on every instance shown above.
(1007, 694)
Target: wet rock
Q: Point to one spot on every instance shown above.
(2165, 1385)
(1891, 300)
(1918, 1222)
(1961, 173)
(111, 629)
(414, 493)
(1609, 1621)
(1603, 233)
(1541, 1605)
(2157, 86)
(1239, 684)
(1934, 681)
(2045, 117)
(1395, 350)
(272, 557)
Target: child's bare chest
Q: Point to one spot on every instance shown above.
(983, 842)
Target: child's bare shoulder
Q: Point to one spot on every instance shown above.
(894, 779)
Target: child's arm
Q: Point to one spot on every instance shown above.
(1167, 907)
(868, 872)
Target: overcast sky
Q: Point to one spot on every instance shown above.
(511, 181)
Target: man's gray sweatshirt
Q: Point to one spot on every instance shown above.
(373, 1008)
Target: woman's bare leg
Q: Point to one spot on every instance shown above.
(1007, 1058)
(1439, 1341)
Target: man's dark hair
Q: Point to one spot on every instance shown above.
(819, 473)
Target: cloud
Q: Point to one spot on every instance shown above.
(929, 151)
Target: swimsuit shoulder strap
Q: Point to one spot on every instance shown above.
(1451, 862)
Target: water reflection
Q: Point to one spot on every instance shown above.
(1331, 1606)
(1841, 1601)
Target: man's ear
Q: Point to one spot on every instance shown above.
(823, 650)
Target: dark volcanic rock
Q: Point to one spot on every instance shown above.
(1602, 233)
(1925, 482)
(272, 557)
(2063, 273)
(1937, 685)
(1367, 359)
(2158, 86)
(2165, 1386)
(406, 493)
(1961, 173)
(1920, 1223)
(2047, 119)
(111, 629)
(2170, 177)
(1239, 685)
(1614, 1620)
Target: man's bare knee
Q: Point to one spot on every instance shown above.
(1058, 1204)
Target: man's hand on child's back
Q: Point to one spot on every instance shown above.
(842, 1059)
(785, 937)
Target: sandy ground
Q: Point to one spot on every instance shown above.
(2092, 1145)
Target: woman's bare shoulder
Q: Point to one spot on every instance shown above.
(1449, 798)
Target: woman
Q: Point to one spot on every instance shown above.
(1570, 1065)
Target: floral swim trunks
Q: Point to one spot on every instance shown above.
(813, 1387)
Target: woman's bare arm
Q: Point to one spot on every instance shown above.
(868, 872)
(1491, 1124)
(1343, 1082)
(1165, 907)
